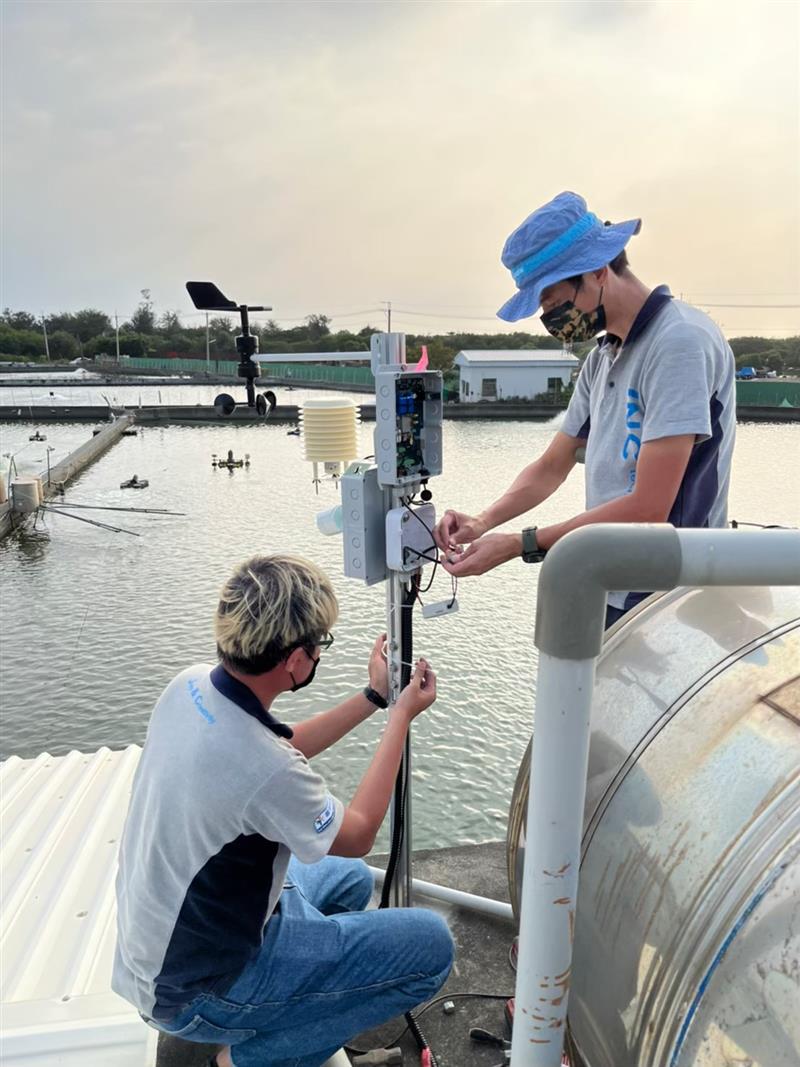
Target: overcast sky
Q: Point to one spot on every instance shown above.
(326, 157)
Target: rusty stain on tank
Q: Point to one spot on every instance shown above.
(559, 873)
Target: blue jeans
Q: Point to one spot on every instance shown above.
(613, 614)
(327, 970)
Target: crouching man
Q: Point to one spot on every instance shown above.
(240, 922)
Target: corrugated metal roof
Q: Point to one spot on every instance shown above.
(519, 356)
(61, 821)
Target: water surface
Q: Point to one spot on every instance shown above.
(94, 624)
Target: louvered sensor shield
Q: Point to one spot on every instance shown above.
(330, 434)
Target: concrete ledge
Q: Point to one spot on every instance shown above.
(69, 468)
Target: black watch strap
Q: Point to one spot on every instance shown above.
(531, 553)
(375, 698)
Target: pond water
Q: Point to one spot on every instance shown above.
(95, 623)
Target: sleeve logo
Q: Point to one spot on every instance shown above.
(325, 817)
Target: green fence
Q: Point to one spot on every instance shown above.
(309, 373)
(319, 372)
(768, 393)
(302, 372)
(182, 366)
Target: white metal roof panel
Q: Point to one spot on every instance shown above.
(61, 820)
(517, 357)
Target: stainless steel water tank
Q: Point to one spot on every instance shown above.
(687, 931)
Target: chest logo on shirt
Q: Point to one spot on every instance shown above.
(633, 424)
(197, 700)
(325, 817)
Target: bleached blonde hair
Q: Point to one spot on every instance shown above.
(270, 605)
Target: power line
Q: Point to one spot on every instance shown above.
(444, 315)
(751, 292)
(772, 307)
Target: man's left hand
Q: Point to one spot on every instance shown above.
(379, 668)
(483, 555)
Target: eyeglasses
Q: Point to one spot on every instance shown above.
(322, 643)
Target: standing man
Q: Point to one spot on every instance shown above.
(240, 920)
(654, 404)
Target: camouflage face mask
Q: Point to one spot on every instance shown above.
(568, 323)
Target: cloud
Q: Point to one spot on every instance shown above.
(338, 154)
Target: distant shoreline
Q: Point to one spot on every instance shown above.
(204, 414)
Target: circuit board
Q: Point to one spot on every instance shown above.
(409, 426)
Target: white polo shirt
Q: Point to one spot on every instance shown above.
(221, 799)
(673, 375)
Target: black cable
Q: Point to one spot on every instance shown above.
(401, 783)
(431, 559)
(407, 506)
(453, 578)
(427, 1007)
(454, 588)
(735, 524)
(398, 833)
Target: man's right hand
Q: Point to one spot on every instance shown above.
(420, 692)
(365, 813)
(455, 528)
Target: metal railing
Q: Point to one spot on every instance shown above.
(575, 579)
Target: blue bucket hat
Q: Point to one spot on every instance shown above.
(558, 241)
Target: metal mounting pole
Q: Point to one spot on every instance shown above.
(387, 352)
(391, 352)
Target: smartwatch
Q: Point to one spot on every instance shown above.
(531, 553)
(375, 698)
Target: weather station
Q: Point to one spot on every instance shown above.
(207, 297)
(386, 519)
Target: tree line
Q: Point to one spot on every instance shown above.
(90, 334)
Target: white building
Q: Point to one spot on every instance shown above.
(506, 373)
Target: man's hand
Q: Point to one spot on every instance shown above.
(483, 555)
(365, 813)
(456, 528)
(420, 692)
(379, 669)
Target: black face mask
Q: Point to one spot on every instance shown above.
(568, 323)
(310, 679)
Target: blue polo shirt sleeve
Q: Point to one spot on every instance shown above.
(577, 422)
(678, 386)
(294, 808)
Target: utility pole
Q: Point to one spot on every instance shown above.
(208, 349)
(388, 315)
(46, 344)
(116, 329)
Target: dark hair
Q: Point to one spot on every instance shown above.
(619, 264)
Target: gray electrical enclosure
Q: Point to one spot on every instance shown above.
(363, 524)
